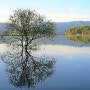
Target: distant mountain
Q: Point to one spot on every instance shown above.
(3, 27)
(60, 27)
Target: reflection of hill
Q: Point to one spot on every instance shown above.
(79, 39)
(61, 27)
(62, 40)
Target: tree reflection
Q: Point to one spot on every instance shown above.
(26, 70)
(81, 39)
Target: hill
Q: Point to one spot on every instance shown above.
(60, 27)
(79, 30)
(3, 27)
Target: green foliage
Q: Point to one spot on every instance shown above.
(28, 22)
(79, 30)
(79, 39)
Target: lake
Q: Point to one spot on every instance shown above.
(60, 63)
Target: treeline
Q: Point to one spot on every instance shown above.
(79, 30)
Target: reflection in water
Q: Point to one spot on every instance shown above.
(62, 50)
(25, 70)
(72, 71)
(79, 38)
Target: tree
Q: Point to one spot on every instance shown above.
(30, 25)
(79, 30)
(25, 69)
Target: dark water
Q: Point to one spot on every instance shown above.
(59, 64)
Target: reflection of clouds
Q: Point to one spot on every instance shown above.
(70, 57)
(60, 49)
(52, 49)
(72, 15)
(4, 48)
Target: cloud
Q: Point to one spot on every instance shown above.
(63, 50)
(4, 16)
(71, 10)
(70, 15)
(4, 48)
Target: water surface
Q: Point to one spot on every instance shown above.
(58, 64)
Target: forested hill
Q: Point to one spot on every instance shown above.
(79, 30)
(60, 27)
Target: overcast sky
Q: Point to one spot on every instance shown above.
(55, 10)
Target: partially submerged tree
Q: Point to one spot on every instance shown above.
(25, 69)
(30, 25)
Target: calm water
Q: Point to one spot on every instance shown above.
(60, 64)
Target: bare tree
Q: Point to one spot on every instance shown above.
(30, 25)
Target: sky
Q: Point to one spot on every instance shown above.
(54, 10)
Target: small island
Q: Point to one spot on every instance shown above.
(79, 34)
(79, 30)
